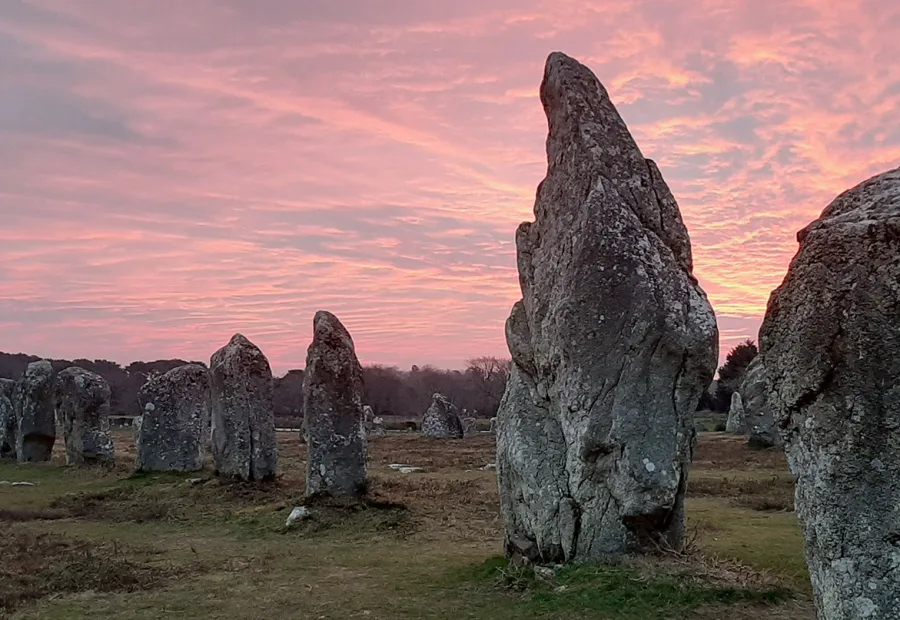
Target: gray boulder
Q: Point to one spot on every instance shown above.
(35, 413)
(243, 412)
(442, 419)
(470, 426)
(7, 419)
(737, 422)
(82, 408)
(169, 434)
(758, 416)
(332, 402)
(831, 341)
(612, 344)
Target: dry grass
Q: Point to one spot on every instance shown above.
(389, 557)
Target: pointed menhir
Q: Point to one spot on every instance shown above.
(243, 412)
(333, 409)
(831, 344)
(612, 344)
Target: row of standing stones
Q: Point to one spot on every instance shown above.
(227, 409)
(612, 344)
(614, 341)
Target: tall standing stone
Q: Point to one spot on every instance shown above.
(332, 402)
(243, 412)
(442, 419)
(35, 413)
(831, 343)
(758, 416)
(82, 407)
(7, 419)
(736, 415)
(170, 431)
(612, 344)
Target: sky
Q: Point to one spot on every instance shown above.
(174, 172)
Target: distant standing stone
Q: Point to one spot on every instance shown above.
(493, 427)
(470, 426)
(82, 407)
(442, 419)
(736, 416)
(169, 434)
(831, 343)
(759, 420)
(332, 402)
(243, 412)
(35, 413)
(7, 419)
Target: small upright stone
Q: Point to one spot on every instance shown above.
(736, 415)
(831, 344)
(332, 402)
(470, 426)
(442, 419)
(7, 419)
(169, 434)
(759, 421)
(35, 413)
(82, 406)
(243, 412)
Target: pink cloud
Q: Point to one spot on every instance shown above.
(171, 177)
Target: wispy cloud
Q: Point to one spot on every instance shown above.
(169, 177)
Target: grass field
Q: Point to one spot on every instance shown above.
(107, 544)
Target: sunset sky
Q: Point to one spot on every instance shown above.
(174, 171)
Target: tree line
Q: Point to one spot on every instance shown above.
(389, 390)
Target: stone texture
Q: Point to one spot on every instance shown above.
(82, 408)
(442, 419)
(332, 402)
(831, 343)
(470, 426)
(737, 417)
(243, 412)
(7, 419)
(612, 344)
(759, 419)
(35, 413)
(169, 434)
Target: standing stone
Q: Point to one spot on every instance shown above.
(82, 407)
(758, 416)
(35, 413)
(470, 426)
(243, 412)
(493, 427)
(170, 431)
(332, 402)
(736, 415)
(7, 419)
(378, 429)
(442, 419)
(831, 342)
(612, 344)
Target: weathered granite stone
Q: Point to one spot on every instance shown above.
(35, 413)
(243, 412)
(759, 419)
(737, 422)
(7, 419)
(493, 427)
(612, 344)
(831, 343)
(378, 428)
(169, 436)
(82, 408)
(442, 419)
(332, 402)
(470, 426)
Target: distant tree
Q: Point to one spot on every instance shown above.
(731, 373)
(288, 397)
(488, 376)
